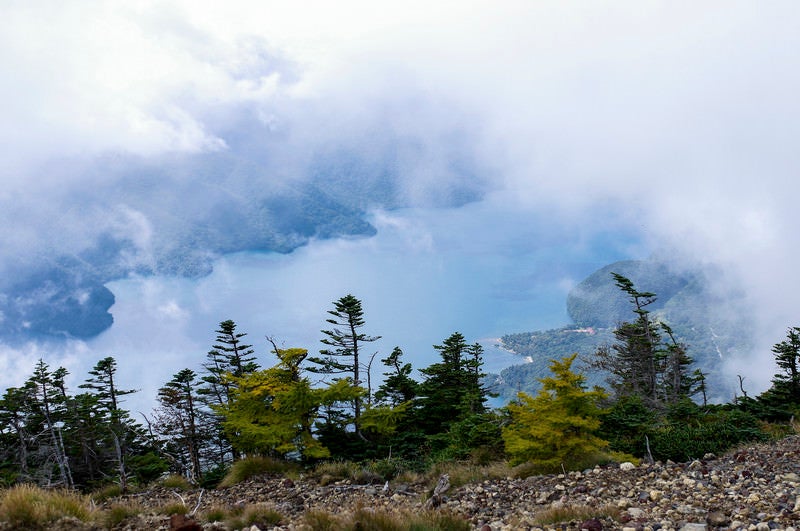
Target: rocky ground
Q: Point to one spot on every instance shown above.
(754, 488)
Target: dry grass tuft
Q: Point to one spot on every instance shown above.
(261, 515)
(119, 512)
(462, 473)
(249, 467)
(382, 520)
(559, 514)
(30, 507)
(176, 481)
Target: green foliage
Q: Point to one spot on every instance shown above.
(782, 400)
(625, 425)
(398, 386)
(477, 437)
(147, 467)
(558, 426)
(685, 431)
(213, 476)
(345, 342)
(714, 432)
(452, 388)
(272, 412)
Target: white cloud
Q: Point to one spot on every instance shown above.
(677, 121)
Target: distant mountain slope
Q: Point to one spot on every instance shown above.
(706, 321)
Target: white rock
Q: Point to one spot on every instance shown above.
(627, 465)
(635, 512)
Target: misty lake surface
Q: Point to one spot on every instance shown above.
(481, 270)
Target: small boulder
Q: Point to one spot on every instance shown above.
(592, 524)
(181, 522)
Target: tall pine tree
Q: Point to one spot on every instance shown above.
(345, 344)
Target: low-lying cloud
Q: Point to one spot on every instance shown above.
(155, 139)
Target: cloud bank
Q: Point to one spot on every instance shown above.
(156, 138)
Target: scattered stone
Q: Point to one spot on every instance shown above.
(717, 519)
(636, 512)
(181, 522)
(592, 524)
(754, 489)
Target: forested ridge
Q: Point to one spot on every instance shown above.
(331, 407)
(708, 321)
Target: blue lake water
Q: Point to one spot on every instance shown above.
(484, 270)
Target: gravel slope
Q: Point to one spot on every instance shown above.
(754, 488)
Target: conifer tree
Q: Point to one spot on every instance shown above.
(51, 406)
(345, 343)
(398, 386)
(15, 421)
(178, 420)
(121, 428)
(558, 426)
(787, 358)
(452, 388)
(640, 363)
(228, 357)
(678, 382)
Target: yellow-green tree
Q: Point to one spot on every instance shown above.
(557, 427)
(272, 411)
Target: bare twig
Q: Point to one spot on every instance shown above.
(199, 499)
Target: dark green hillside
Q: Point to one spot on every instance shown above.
(598, 302)
(709, 323)
(540, 348)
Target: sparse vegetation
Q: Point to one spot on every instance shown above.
(558, 513)
(174, 481)
(30, 507)
(381, 520)
(173, 508)
(261, 515)
(254, 466)
(119, 512)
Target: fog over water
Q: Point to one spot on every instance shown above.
(418, 278)
(501, 152)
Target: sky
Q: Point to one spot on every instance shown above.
(587, 133)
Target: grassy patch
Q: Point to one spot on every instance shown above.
(249, 467)
(525, 470)
(119, 512)
(108, 491)
(261, 515)
(215, 513)
(381, 520)
(558, 514)
(29, 507)
(176, 481)
(462, 473)
(173, 508)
